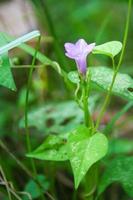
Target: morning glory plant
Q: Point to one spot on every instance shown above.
(79, 52)
(85, 143)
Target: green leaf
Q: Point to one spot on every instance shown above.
(84, 150)
(101, 77)
(53, 148)
(109, 48)
(34, 190)
(120, 170)
(6, 77)
(56, 117)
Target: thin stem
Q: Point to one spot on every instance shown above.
(26, 107)
(86, 112)
(107, 99)
(4, 147)
(28, 142)
(125, 34)
(6, 183)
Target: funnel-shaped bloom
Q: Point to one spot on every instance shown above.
(79, 52)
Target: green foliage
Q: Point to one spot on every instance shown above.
(101, 77)
(53, 148)
(78, 146)
(7, 110)
(55, 117)
(74, 77)
(120, 146)
(119, 170)
(30, 50)
(61, 118)
(58, 117)
(110, 126)
(6, 78)
(110, 49)
(84, 150)
(40, 56)
(34, 190)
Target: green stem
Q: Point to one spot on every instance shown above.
(106, 102)
(125, 33)
(89, 180)
(87, 116)
(107, 99)
(26, 108)
(85, 104)
(28, 142)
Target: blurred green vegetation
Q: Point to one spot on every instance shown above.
(94, 20)
(65, 20)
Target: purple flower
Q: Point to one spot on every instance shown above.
(79, 52)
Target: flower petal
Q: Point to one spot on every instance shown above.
(70, 55)
(69, 46)
(81, 44)
(90, 47)
(79, 52)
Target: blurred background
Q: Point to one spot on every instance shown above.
(59, 21)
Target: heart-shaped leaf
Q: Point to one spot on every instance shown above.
(53, 148)
(84, 150)
(109, 48)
